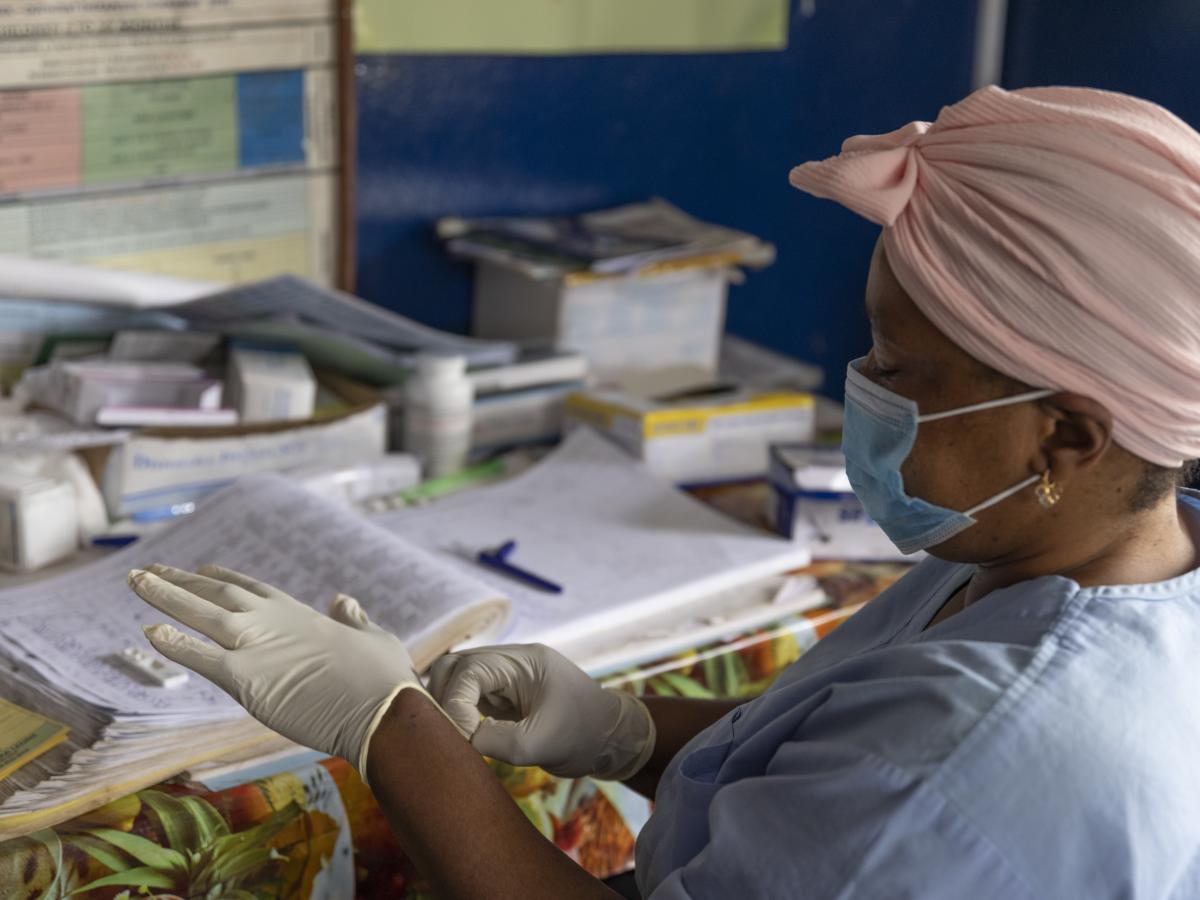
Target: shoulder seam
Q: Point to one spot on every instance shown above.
(953, 803)
(1049, 648)
(924, 787)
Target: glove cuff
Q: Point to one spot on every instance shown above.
(631, 743)
(381, 711)
(376, 718)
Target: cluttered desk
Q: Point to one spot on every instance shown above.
(426, 469)
(186, 377)
(117, 757)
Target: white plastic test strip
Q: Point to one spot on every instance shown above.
(151, 668)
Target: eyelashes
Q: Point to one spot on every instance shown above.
(878, 371)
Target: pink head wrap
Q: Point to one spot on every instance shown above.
(1054, 235)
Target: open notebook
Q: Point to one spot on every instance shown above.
(60, 635)
(623, 543)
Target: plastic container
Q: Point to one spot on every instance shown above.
(355, 483)
(437, 413)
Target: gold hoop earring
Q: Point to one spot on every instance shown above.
(1048, 493)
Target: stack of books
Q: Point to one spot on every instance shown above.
(618, 241)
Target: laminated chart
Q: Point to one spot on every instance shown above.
(198, 140)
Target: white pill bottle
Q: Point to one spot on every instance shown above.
(438, 397)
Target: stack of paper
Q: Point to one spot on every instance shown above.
(33, 330)
(25, 735)
(80, 309)
(58, 639)
(334, 329)
(45, 279)
(44, 304)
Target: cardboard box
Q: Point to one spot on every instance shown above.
(160, 467)
(709, 438)
(621, 324)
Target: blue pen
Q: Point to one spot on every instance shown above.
(498, 560)
(114, 540)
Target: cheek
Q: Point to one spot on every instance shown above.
(950, 463)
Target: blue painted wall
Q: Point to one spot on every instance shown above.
(1150, 48)
(715, 134)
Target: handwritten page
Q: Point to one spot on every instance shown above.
(622, 542)
(65, 629)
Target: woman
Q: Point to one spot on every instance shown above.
(1018, 716)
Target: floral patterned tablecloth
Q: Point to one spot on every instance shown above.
(316, 831)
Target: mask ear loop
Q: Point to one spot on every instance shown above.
(987, 404)
(1003, 495)
(992, 404)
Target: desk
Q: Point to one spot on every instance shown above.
(315, 831)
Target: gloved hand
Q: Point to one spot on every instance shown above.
(322, 681)
(543, 710)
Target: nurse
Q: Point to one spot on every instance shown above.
(1018, 717)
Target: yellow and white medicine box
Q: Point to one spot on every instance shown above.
(703, 438)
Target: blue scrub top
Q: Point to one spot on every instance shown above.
(1042, 743)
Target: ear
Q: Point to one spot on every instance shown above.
(1078, 432)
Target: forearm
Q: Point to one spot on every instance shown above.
(676, 720)
(454, 819)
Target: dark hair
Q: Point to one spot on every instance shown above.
(1157, 482)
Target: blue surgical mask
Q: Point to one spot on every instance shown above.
(878, 433)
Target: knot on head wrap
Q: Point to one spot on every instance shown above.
(1054, 235)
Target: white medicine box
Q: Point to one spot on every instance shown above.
(270, 385)
(813, 503)
(622, 324)
(38, 521)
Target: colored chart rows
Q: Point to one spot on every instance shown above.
(62, 138)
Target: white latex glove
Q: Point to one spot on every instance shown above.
(542, 710)
(322, 681)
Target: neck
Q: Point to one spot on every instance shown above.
(1141, 548)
